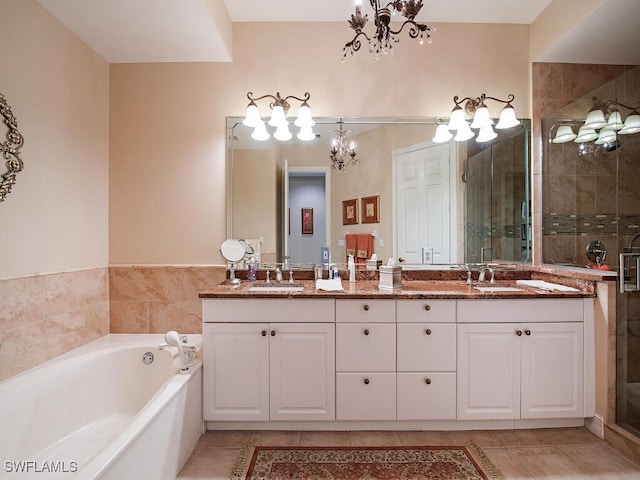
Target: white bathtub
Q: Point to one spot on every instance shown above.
(100, 412)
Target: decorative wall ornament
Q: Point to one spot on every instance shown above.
(371, 209)
(10, 149)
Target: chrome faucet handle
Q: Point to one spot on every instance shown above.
(469, 277)
(290, 276)
(267, 274)
(278, 275)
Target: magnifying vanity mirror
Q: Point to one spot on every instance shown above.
(235, 251)
(437, 204)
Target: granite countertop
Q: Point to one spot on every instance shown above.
(411, 289)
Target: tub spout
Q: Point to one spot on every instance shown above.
(173, 338)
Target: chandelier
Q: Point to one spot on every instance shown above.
(343, 152)
(279, 108)
(475, 109)
(382, 41)
(605, 117)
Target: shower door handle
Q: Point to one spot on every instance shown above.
(626, 260)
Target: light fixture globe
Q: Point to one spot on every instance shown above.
(304, 117)
(481, 118)
(282, 133)
(278, 117)
(464, 133)
(615, 120)
(585, 134)
(564, 134)
(306, 134)
(486, 134)
(507, 118)
(260, 132)
(631, 124)
(456, 119)
(252, 117)
(606, 135)
(595, 119)
(443, 134)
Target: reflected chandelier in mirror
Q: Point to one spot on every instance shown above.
(10, 149)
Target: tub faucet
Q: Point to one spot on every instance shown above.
(483, 271)
(173, 338)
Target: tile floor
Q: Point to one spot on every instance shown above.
(554, 454)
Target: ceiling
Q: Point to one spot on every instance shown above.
(140, 31)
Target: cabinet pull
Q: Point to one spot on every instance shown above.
(263, 333)
(527, 332)
(366, 331)
(273, 333)
(428, 331)
(366, 381)
(365, 308)
(427, 381)
(427, 307)
(519, 333)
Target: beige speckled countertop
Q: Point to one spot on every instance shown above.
(451, 289)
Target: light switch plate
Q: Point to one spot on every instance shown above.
(427, 255)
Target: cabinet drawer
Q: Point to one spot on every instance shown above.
(426, 347)
(366, 396)
(239, 310)
(426, 396)
(439, 311)
(523, 310)
(366, 347)
(366, 310)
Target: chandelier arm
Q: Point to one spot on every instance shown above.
(509, 99)
(257, 99)
(305, 99)
(355, 44)
(459, 101)
(414, 31)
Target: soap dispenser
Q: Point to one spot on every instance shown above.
(352, 269)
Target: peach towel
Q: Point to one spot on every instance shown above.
(351, 243)
(365, 247)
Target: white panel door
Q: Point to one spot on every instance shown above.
(236, 371)
(302, 371)
(422, 204)
(552, 370)
(488, 371)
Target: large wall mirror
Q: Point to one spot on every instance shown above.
(424, 203)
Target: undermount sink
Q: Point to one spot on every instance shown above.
(490, 289)
(276, 288)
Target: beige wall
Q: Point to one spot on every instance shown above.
(55, 218)
(167, 142)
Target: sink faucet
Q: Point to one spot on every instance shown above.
(483, 271)
(468, 267)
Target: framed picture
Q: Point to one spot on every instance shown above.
(350, 212)
(307, 221)
(371, 209)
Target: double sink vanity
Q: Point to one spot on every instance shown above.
(436, 354)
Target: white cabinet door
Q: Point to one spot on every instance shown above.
(552, 370)
(488, 371)
(236, 371)
(302, 365)
(427, 396)
(366, 396)
(426, 347)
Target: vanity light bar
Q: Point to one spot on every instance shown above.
(279, 108)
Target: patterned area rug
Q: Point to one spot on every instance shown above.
(364, 463)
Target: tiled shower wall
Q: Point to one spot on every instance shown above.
(43, 316)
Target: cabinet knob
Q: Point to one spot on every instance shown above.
(427, 307)
(365, 308)
(428, 331)
(273, 333)
(427, 381)
(519, 333)
(527, 332)
(263, 333)
(366, 331)
(366, 381)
